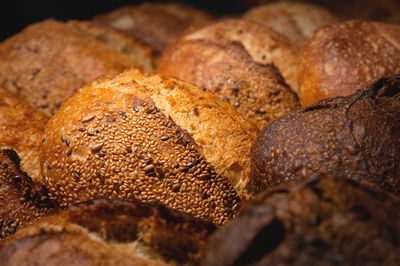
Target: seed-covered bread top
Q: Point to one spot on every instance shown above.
(297, 21)
(263, 44)
(46, 62)
(21, 199)
(154, 24)
(323, 221)
(109, 233)
(341, 58)
(150, 138)
(21, 129)
(357, 136)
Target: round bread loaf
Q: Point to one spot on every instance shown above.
(47, 61)
(154, 24)
(21, 199)
(322, 221)
(109, 233)
(21, 129)
(234, 59)
(342, 58)
(137, 136)
(357, 136)
(297, 21)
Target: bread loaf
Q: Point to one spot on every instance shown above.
(21, 199)
(234, 59)
(21, 129)
(154, 24)
(47, 61)
(297, 21)
(357, 136)
(342, 58)
(137, 136)
(109, 233)
(322, 221)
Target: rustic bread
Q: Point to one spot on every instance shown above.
(108, 233)
(154, 24)
(138, 136)
(297, 21)
(21, 199)
(357, 136)
(235, 68)
(21, 129)
(342, 58)
(322, 221)
(47, 61)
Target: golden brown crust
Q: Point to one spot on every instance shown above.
(297, 21)
(21, 129)
(150, 138)
(47, 61)
(109, 233)
(357, 136)
(342, 58)
(21, 199)
(155, 25)
(264, 45)
(257, 91)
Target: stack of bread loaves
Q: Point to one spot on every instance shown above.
(104, 162)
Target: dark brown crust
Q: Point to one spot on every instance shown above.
(109, 232)
(46, 62)
(341, 58)
(356, 136)
(21, 200)
(322, 221)
(256, 90)
(155, 25)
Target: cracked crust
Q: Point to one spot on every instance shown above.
(356, 136)
(342, 58)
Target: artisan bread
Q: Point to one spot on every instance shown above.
(234, 59)
(297, 21)
(48, 60)
(342, 58)
(151, 138)
(22, 200)
(153, 24)
(357, 136)
(322, 221)
(21, 129)
(109, 233)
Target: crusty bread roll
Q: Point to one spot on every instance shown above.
(47, 61)
(21, 129)
(233, 59)
(357, 136)
(109, 233)
(322, 221)
(154, 24)
(138, 136)
(21, 199)
(342, 58)
(297, 21)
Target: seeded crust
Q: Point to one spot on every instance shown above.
(322, 221)
(154, 24)
(342, 58)
(257, 91)
(21, 129)
(21, 200)
(144, 137)
(109, 233)
(48, 60)
(264, 45)
(357, 136)
(296, 21)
